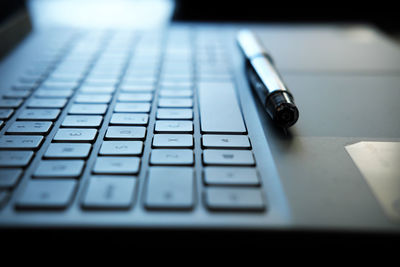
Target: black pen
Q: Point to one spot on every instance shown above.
(264, 78)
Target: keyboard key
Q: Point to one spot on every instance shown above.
(10, 103)
(101, 82)
(39, 114)
(231, 176)
(143, 97)
(117, 165)
(225, 141)
(176, 84)
(6, 113)
(93, 98)
(100, 79)
(15, 158)
(17, 94)
(24, 87)
(175, 87)
(219, 109)
(28, 84)
(129, 119)
(109, 192)
(9, 177)
(174, 126)
(174, 113)
(170, 188)
(132, 107)
(66, 85)
(173, 140)
(65, 150)
(51, 194)
(187, 77)
(20, 142)
(75, 135)
(59, 168)
(140, 80)
(29, 77)
(82, 121)
(126, 148)
(137, 88)
(250, 199)
(57, 87)
(105, 75)
(126, 132)
(175, 102)
(228, 157)
(171, 157)
(97, 89)
(90, 109)
(47, 103)
(48, 93)
(30, 127)
(64, 77)
(176, 93)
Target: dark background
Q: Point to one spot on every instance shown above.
(383, 14)
(9, 7)
(379, 13)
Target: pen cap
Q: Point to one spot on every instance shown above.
(282, 109)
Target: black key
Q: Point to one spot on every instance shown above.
(231, 176)
(117, 165)
(75, 135)
(17, 94)
(10, 103)
(47, 194)
(170, 188)
(109, 192)
(15, 158)
(82, 121)
(59, 168)
(47, 103)
(67, 150)
(250, 199)
(20, 142)
(89, 109)
(129, 119)
(126, 132)
(39, 114)
(30, 127)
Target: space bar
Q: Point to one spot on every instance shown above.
(219, 109)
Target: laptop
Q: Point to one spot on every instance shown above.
(158, 128)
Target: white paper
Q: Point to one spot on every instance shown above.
(379, 163)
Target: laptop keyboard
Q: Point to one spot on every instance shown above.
(100, 116)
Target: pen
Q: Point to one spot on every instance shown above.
(265, 80)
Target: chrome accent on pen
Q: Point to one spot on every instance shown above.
(266, 81)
